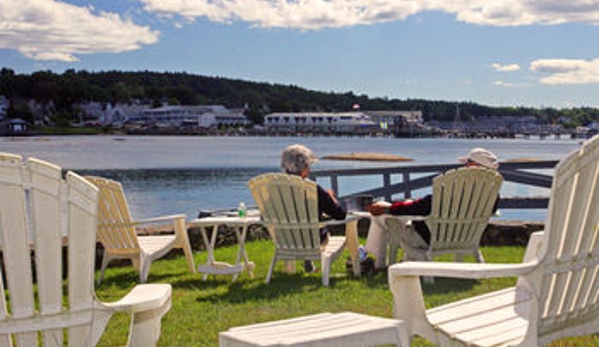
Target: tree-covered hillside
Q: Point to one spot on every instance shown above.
(63, 90)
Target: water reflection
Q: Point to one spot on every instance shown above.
(154, 192)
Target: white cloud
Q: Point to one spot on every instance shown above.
(53, 30)
(506, 68)
(318, 14)
(567, 71)
(505, 84)
(298, 14)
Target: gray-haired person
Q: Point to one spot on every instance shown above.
(297, 160)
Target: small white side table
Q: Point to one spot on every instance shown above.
(240, 225)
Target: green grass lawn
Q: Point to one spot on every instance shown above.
(201, 309)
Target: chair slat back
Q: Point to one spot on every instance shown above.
(462, 205)
(38, 209)
(115, 230)
(570, 268)
(289, 207)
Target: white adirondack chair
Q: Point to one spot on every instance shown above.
(41, 212)
(463, 201)
(557, 293)
(118, 232)
(289, 208)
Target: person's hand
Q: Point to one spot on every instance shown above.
(378, 208)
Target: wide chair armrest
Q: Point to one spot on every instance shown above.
(159, 219)
(473, 270)
(146, 223)
(146, 303)
(143, 297)
(460, 270)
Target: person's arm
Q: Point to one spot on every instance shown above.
(329, 205)
(416, 207)
(378, 208)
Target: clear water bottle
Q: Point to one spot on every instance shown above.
(241, 210)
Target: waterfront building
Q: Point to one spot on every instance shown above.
(138, 115)
(202, 116)
(396, 122)
(320, 123)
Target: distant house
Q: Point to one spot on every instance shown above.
(108, 114)
(41, 111)
(16, 126)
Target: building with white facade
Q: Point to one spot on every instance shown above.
(320, 122)
(204, 116)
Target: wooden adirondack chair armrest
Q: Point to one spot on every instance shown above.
(143, 297)
(140, 222)
(146, 303)
(159, 219)
(460, 270)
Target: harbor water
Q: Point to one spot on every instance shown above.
(185, 174)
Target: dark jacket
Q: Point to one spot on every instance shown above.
(329, 207)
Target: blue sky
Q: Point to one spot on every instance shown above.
(538, 53)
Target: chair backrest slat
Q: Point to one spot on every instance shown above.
(16, 244)
(570, 267)
(82, 241)
(46, 192)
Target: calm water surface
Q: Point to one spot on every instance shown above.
(164, 175)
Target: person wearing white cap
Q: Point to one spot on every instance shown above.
(297, 160)
(481, 157)
(376, 240)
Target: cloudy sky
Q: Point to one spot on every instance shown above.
(539, 53)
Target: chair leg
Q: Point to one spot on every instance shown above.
(144, 270)
(271, 268)
(105, 261)
(479, 256)
(326, 270)
(183, 242)
(428, 279)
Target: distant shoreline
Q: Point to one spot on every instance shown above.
(258, 133)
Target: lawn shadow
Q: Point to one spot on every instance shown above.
(445, 285)
(256, 289)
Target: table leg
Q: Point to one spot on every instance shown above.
(209, 247)
(242, 252)
(248, 264)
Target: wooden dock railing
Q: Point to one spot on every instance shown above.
(418, 177)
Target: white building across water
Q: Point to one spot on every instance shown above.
(362, 122)
(204, 116)
(320, 122)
